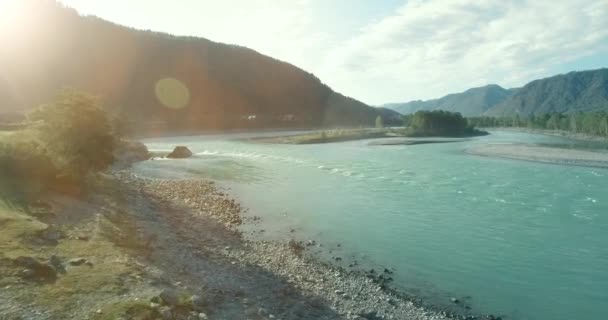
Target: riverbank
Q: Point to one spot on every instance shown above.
(542, 154)
(333, 135)
(414, 141)
(171, 250)
(349, 295)
(556, 133)
(404, 136)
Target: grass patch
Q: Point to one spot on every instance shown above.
(81, 288)
(133, 310)
(16, 226)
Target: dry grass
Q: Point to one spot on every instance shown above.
(82, 288)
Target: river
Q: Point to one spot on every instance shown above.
(521, 239)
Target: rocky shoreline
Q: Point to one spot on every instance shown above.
(349, 294)
(138, 248)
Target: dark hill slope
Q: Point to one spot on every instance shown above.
(50, 47)
(572, 92)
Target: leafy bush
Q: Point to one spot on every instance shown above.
(25, 166)
(67, 140)
(76, 132)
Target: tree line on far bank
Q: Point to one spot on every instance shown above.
(591, 123)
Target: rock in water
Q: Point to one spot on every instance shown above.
(128, 152)
(180, 152)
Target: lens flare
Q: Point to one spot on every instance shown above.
(172, 93)
(9, 11)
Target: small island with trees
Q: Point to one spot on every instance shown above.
(422, 124)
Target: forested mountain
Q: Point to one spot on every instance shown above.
(582, 91)
(161, 82)
(472, 102)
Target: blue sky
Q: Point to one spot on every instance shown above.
(392, 50)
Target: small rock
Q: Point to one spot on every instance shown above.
(262, 312)
(180, 152)
(77, 261)
(51, 234)
(169, 297)
(371, 315)
(454, 300)
(26, 261)
(311, 243)
(166, 313)
(28, 273)
(202, 316)
(57, 264)
(197, 302)
(35, 270)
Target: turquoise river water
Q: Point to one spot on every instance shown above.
(521, 239)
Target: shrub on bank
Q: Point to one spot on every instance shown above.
(67, 141)
(25, 166)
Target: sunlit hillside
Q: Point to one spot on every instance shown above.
(160, 81)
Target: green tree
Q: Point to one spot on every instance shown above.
(603, 130)
(76, 132)
(573, 123)
(553, 122)
(439, 122)
(379, 122)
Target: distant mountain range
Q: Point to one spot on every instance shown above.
(223, 86)
(573, 92)
(472, 102)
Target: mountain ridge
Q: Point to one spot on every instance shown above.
(227, 86)
(471, 102)
(575, 91)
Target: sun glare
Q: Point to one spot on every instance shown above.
(8, 14)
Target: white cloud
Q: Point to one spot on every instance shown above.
(430, 48)
(419, 50)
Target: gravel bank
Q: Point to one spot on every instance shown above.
(542, 154)
(301, 287)
(556, 133)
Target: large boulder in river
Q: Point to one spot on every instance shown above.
(180, 152)
(128, 152)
